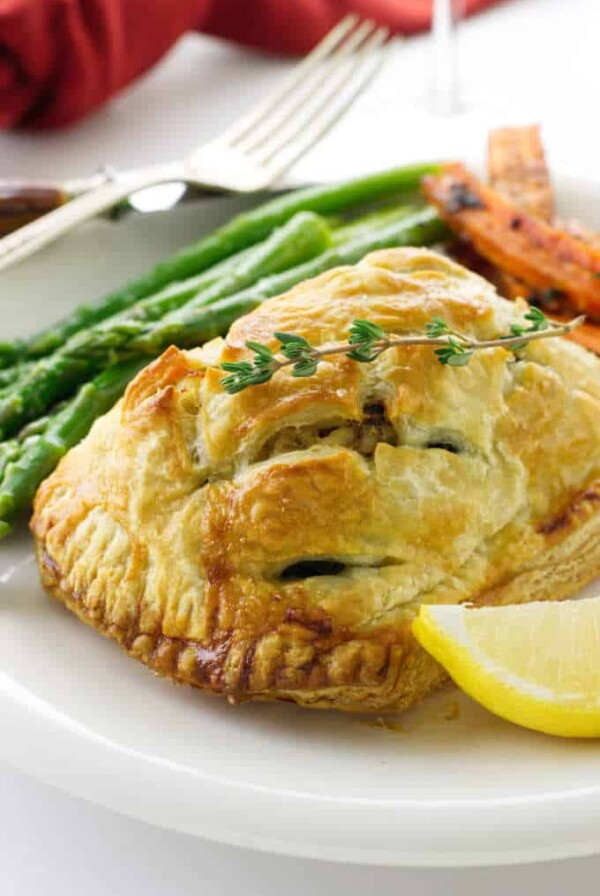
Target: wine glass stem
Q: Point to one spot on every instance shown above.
(445, 80)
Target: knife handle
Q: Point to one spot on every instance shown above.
(21, 203)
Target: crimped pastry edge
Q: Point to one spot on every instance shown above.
(571, 561)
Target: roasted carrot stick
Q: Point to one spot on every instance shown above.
(524, 246)
(517, 170)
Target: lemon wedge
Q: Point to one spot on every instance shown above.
(536, 664)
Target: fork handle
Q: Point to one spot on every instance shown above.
(39, 233)
(21, 202)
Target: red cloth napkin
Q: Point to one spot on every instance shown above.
(60, 59)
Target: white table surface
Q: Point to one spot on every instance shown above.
(539, 58)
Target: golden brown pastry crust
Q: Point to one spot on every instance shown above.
(176, 526)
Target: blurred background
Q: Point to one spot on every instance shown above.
(94, 85)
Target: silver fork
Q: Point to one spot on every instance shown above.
(254, 152)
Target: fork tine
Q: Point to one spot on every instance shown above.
(296, 76)
(303, 97)
(332, 114)
(329, 104)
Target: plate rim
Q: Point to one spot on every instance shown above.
(119, 778)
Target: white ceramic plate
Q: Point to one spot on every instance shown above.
(437, 788)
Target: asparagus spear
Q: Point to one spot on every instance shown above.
(157, 304)
(363, 226)
(11, 374)
(241, 232)
(178, 294)
(151, 308)
(11, 351)
(196, 322)
(10, 450)
(87, 352)
(39, 454)
(8, 376)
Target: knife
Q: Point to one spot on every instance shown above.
(22, 201)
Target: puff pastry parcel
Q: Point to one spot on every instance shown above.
(277, 543)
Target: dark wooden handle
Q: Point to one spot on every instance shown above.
(21, 203)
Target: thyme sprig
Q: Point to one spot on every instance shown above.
(366, 341)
